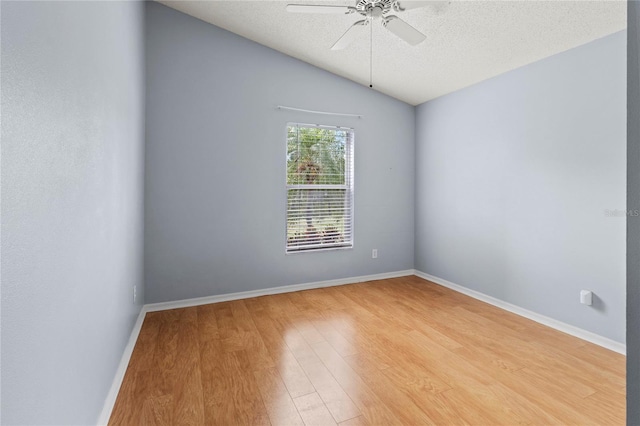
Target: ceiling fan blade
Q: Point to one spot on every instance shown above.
(438, 6)
(319, 8)
(403, 30)
(350, 35)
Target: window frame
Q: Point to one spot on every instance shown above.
(348, 186)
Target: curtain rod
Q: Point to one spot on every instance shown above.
(319, 112)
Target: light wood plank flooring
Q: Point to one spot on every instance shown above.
(397, 351)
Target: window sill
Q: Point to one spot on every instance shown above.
(316, 250)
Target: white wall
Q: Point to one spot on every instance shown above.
(513, 178)
(215, 164)
(72, 174)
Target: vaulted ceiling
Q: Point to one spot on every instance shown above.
(466, 41)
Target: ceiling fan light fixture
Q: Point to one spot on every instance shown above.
(365, 7)
(376, 12)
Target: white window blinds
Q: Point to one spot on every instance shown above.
(319, 187)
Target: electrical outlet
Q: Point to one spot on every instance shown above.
(374, 253)
(135, 293)
(586, 297)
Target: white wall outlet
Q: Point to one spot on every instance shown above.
(374, 253)
(586, 297)
(135, 293)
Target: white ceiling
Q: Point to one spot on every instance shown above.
(467, 42)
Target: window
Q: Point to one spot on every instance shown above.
(319, 187)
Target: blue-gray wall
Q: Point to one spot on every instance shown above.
(215, 164)
(72, 176)
(513, 178)
(633, 223)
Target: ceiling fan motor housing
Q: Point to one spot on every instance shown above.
(366, 7)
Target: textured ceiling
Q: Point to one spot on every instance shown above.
(467, 41)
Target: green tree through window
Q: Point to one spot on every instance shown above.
(319, 187)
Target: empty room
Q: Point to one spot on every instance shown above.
(320, 212)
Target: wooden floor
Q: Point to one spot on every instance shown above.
(397, 351)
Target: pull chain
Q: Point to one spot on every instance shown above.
(371, 54)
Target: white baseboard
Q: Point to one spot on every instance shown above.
(122, 369)
(550, 322)
(273, 290)
(128, 351)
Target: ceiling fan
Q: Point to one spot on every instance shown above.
(372, 9)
